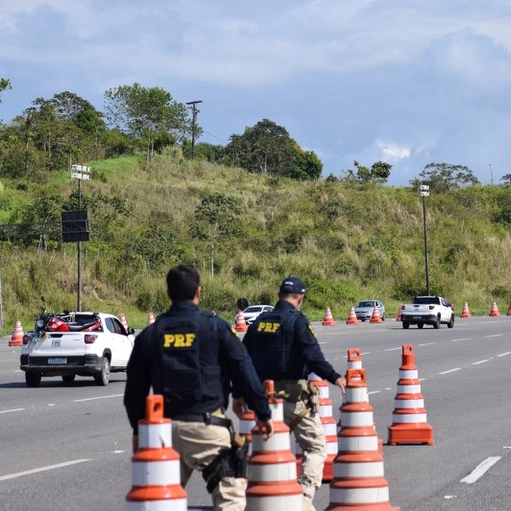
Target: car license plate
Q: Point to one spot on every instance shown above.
(417, 317)
(57, 360)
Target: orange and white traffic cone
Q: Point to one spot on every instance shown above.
(398, 317)
(509, 309)
(325, 412)
(328, 320)
(156, 472)
(494, 312)
(359, 481)
(150, 318)
(352, 317)
(465, 312)
(240, 324)
(122, 319)
(272, 480)
(375, 317)
(329, 425)
(17, 334)
(355, 362)
(409, 418)
(246, 424)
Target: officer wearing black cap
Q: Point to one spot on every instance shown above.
(193, 358)
(284, 348)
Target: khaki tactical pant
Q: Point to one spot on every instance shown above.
(311, 438)
(198, 444)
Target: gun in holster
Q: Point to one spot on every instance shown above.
(231, 462)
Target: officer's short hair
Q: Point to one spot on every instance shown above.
(182, 283)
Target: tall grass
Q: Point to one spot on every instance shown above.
(347, 243)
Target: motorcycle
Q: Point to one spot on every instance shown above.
(58, 322)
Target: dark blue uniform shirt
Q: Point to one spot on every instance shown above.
(162, 351)
(289, 354)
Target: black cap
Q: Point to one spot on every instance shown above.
(292, 285)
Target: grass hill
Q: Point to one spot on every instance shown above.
(347, 242)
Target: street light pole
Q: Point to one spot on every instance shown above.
(195, 110)
(424, 189)
(79, 172)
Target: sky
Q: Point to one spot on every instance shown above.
(407, 82)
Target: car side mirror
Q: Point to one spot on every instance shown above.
(131, 331)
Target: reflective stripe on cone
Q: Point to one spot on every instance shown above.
(272, 480)
(409, 417)
(359, 483)
(156, 477)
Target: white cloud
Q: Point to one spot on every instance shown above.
(411, 82)
(391, 151)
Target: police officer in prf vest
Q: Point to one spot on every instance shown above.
(193, 358)
(284, 348)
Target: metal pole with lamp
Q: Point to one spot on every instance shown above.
(424, 190)
(80, 172)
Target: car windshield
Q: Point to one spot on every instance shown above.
(367, 303)
(425, 300)
(253, 309)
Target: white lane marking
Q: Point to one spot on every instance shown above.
(94, 398)
(480, 470)
(481, 362)
(41, 469)
(427, 343)
(494, 335)
(394, 349)
(12, 410)
(462, 339)
(451, 370)
(374, 392)
(504, 354)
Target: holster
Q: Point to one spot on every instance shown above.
(290, 390)
(228, 463)
(313, 399)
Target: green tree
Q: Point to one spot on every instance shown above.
(506, 179)
(216, 217)
(71, 108)
(267, 148)
(306, 166)
(5, 84)
(146, 113)
(377, 174)
(445, 176)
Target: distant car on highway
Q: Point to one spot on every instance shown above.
(251, 313)
(364, 309)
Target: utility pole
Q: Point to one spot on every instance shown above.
(424, 190)
(195, 111)
(491, 174)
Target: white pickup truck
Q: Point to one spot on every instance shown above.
(85, 344)
(427, 310)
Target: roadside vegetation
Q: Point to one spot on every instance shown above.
(247, 215)
(245, 232)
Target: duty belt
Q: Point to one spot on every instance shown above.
(207, 418)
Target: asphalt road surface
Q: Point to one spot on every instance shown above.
(68, 447)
